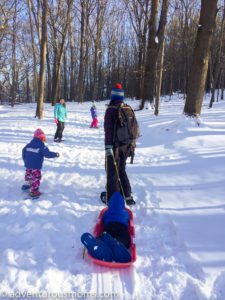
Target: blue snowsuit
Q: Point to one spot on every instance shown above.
(34, 153)
(93, 112)
(116, 211)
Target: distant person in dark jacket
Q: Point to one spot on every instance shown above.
(33, 155)
(120, 153)
(94, 116)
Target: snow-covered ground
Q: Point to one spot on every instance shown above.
(178, 181)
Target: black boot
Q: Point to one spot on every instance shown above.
(130, 201)
(103, 197)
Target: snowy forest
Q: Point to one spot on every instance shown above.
(169, 57)
(77, 49)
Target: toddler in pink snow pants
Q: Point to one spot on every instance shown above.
(33, 155)
(33, 177)
(94, 123)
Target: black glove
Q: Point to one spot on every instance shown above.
(57, 154)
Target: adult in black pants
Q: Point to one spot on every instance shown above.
(113, 185)
(119, 153)
(59, 131)
(60, 114)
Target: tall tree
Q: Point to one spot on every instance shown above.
(159, 78)
(218, 59)
(138, 11)
(33, 51)
(49, 77)
(59, 45)
(80, 81)
(199, 66)
(155, 40)
(14, 75)
(41, 82)
(72, 60)
(65, 75)
(101, 6)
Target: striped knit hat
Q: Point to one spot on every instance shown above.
(117, 93)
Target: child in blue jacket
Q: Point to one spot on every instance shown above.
(115, 240)
(116, 219)
(94, 115)
(33, 155)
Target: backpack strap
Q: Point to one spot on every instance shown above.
(112, 106)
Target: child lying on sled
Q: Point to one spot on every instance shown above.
(115, 240)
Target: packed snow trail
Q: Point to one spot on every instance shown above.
(40, 240)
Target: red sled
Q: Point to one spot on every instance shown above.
(98, 231)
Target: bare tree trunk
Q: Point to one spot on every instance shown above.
(108, 75)
(218, 61)
(199, 67)
(82, 44)
(100, 79)
(155, 40)
(34, 53)
(139, 17)
(100, 15)
(96, 47)
(37, 19)
(185, 43)
(49, 80)
(87, 78)
(55, 87)
(65, 84)
(159, 83)
(13, 89)
(222, 87)
(60, 51)
(72, 62)
(27, 85)
(41, 83)
(54, 70)
(218, 87)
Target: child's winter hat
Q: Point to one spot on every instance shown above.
(117, 93)
(39, 133)
(94, 105)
